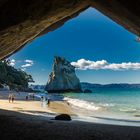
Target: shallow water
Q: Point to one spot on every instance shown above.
(109, 106)
(107, 103)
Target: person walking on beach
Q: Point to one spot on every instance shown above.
(48, 103)
(26, 97)
(41, 101)
(9, 98)
(12, 97)
(42, 98)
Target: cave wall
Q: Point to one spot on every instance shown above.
(124, 12)
(23, 20)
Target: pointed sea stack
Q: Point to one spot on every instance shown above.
(63, 78)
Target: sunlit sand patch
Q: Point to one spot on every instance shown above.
(16, 103)
(18, 108)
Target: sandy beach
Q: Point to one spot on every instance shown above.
(24, 120)
(31, 106)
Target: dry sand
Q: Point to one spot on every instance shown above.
(15, 124)
(32, 106)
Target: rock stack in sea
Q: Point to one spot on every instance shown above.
(62, 78)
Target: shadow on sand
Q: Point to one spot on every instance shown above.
(14, 125)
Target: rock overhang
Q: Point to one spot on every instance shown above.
(24, 20)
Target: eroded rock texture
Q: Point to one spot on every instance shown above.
(23, 20)
(63, 77)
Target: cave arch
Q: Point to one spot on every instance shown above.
(23, 20)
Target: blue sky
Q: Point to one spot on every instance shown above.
(90, 36)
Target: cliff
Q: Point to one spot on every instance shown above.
(63, 77)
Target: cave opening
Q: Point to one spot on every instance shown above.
(106, 57)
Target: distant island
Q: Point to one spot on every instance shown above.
(86, 85)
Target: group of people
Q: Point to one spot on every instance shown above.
(11, 97)
(31, 96)
(43, 100)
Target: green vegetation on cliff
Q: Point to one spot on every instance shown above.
(14, 78)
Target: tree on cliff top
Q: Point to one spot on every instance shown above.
(14, 78)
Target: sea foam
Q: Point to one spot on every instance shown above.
(82, 104)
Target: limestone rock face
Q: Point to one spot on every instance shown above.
(63, 77)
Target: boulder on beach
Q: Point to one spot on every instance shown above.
(64, 117)
(63, 78)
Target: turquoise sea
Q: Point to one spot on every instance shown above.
(115, 103)
(104, 105)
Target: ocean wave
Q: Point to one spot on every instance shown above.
(82, 104)
(129, 110)
(107, 105)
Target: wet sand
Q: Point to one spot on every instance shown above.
(14, 125)
(23, 120)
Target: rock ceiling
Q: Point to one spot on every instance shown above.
(23, 20)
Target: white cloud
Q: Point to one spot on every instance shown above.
(138, 39)
(12, 62)
(29, 63)
(83, 64)
(23, 69)
(26, 65)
